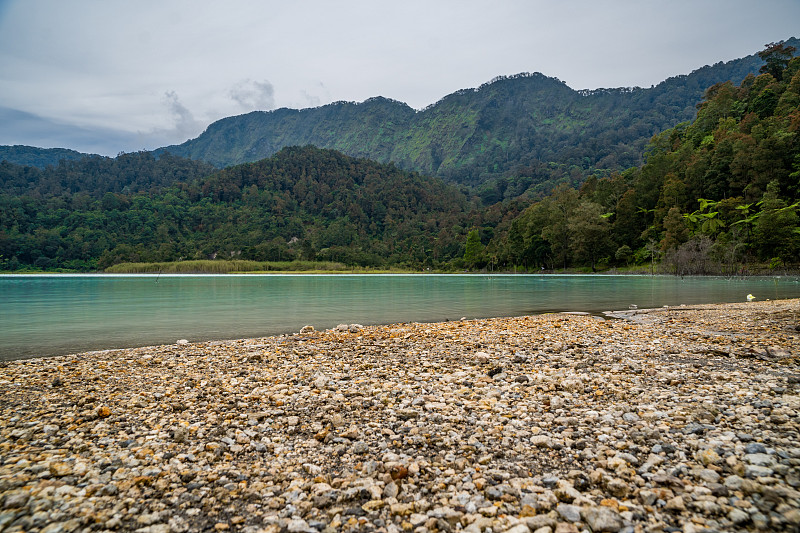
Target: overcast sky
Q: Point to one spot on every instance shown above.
(105, 76)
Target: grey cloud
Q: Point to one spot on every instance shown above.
(21, 127)
(254, 95)
(185, 123)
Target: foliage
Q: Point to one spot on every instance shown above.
(29, 156)
(712, 196)
(96, 176)
(513, 134)
(224, 267)
(301, 204)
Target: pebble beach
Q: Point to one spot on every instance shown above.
(679, 419)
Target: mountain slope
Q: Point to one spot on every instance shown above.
(527, 124)
(94, 176)
(31, 156)
(302, 203)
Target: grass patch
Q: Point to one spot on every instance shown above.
(226, 267)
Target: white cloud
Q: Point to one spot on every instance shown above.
(254, 95)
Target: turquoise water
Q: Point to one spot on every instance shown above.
(59, 314)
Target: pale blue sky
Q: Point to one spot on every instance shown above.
(106, 76)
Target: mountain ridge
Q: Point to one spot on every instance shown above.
(525, 124)
(512, 133)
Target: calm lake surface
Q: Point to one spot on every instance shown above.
(44, 315)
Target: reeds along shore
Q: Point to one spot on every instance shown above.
(678, 419)
(224, 267)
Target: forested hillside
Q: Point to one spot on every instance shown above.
(715, 195)
(37, 157)
(507, 136)
(303, 203)
(95, 175)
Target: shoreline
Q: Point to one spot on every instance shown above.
(683, 419)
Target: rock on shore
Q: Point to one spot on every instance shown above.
(677, 419)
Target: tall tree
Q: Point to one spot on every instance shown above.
(590, 232)
(776, 57)
(473, 252)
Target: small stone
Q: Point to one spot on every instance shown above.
(618, 488)
(566, 527)
(708, 475)
(738, 517)
(675, 504)
(733, 482)
(754, 471)
(60, 469)
(630, 417)
(307, 329)
(360, 447)
(792, 516)
(542, 441)
(17, 498)
(391, 490)
(602, 519)
(298, 525)
(708, 457)
(754, 447)
(570, 513)
(760, 459)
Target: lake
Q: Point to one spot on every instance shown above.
(42, 315)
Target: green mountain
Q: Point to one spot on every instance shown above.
(512, 133)
(716, 195)
(38, 157)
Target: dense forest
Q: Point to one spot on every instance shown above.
(714, 195)
(718, 194)
(512, 135)
(302, 203)
(38, 157)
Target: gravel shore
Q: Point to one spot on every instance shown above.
(674, 419)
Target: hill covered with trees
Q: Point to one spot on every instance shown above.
(96, 175)
(302, 203)
(31, 156)
(714, 195)
(507, 136)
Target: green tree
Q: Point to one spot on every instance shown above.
(776, 57)
(675, 230)
(557, 232)
(590, 232)
(473, 251)
(776, 231)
